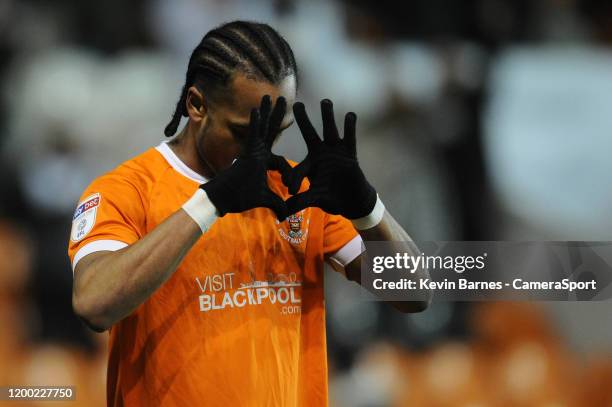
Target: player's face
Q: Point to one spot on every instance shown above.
(226, 127)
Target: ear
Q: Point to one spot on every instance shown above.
(195, 104)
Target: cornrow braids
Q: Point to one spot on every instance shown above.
(239, 46)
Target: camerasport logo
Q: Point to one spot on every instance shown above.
(84, 217)
(295, 227)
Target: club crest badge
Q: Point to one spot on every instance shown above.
(84, 217)
(294, 228)
(295, 225)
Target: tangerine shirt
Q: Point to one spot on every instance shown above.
(241, 322)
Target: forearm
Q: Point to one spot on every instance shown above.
(109, 286)
(389, 230)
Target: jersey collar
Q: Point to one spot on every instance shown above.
(177, 164)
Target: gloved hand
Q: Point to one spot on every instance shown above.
(244, 185)
(337, 184)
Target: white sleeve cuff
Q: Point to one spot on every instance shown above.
(97, 246)
(200, 208)
(348, 252)
(373, 219)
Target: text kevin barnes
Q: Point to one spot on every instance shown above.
(464, 284)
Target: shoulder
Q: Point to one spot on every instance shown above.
(129, 185)
(139, 172)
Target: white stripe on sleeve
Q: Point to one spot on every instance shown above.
(97, 246)
(348, 252)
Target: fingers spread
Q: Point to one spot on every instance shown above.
(265, 106)
(308, 132)
(264, 114)
(253, 132)
(349, 133)
(276, 118)
(330, 131)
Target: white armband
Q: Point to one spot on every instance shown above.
(201, 210)
(373, 219)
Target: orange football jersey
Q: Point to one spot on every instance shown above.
(241, 322)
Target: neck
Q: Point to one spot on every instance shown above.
(185, 146)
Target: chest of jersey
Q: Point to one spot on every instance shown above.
(246, 259)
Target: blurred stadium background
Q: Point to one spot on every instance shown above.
(478, 120)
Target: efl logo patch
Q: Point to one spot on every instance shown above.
(84, 217)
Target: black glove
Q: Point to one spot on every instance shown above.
(244, 185)
(337, 184)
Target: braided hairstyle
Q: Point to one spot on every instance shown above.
(252, 48)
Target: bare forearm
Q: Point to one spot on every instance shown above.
(391, 231)
(110, 285)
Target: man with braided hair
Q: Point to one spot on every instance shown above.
(203, 256)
